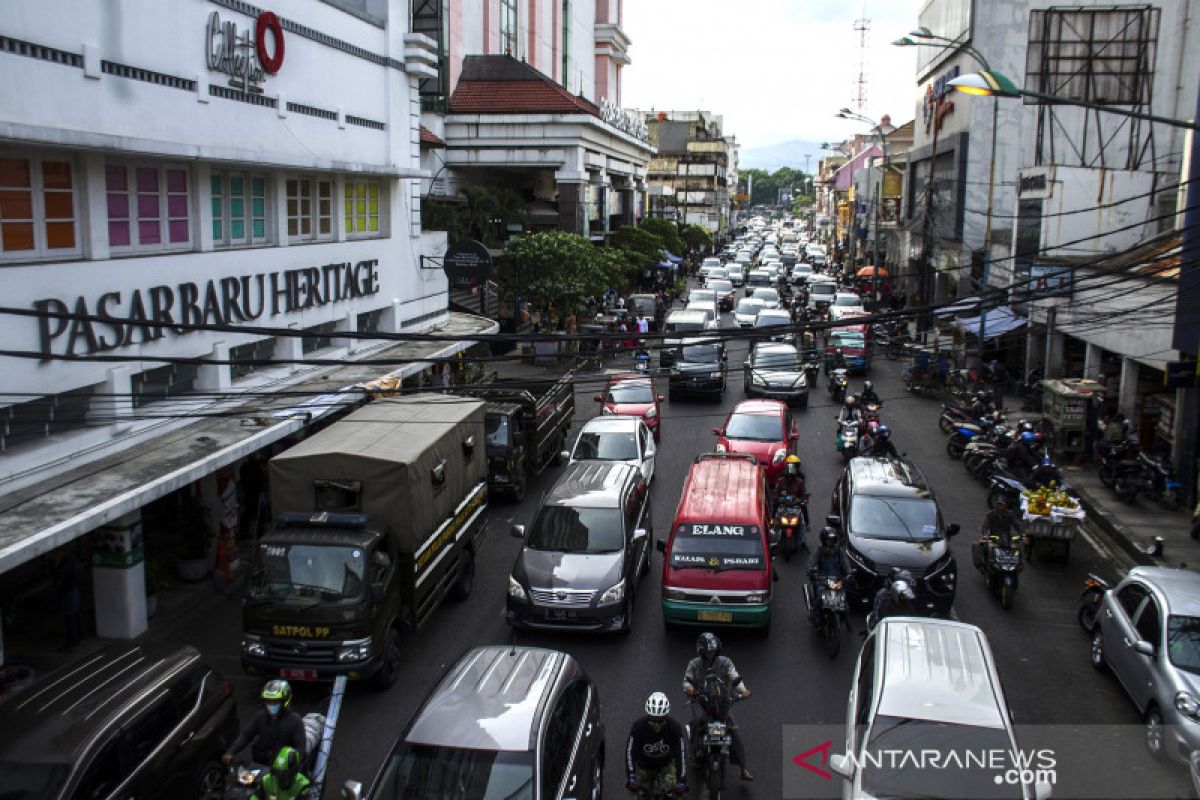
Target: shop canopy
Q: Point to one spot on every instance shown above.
(870, 272)
(669, 256)
(997, 322)
(963, 306)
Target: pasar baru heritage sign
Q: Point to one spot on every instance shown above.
(246, 60)
(120, 319)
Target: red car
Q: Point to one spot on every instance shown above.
(762, 428)
(632, 395)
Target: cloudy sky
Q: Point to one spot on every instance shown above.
(777, 69)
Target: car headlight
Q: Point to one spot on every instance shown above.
(357, 650)
(253, 646)
(651, 413)
(779, 456)
(720, 448)
(718, 374)
(1188, 705)
(613, 594)
(515, 590)
(801, 381)
(757, 378)
(756, 597)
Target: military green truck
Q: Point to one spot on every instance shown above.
(379, 518)
(526, 429)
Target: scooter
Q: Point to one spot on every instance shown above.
(789, 520)
(847, 441)
(714, 741)
(1115, 457)
(641, 361)
(1094, 588)
(983, 458)
(827, 612)
(1163, 485)
(244, 780)
(999, 562)
(839, 380)
(966, 433)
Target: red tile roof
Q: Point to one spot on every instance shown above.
(431, 139)
(503, 85)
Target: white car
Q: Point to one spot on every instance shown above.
(931, 687)
(800, 272)
(709, 310)
(701, 296)
(613, 438)
(768, 296)
(845, 304)
(715, 273)
(746, 311)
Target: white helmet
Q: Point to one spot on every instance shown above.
(657, 705)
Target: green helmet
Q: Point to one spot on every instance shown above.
(278, 690)
(286, 767)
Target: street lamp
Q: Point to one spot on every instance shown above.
(847, 113)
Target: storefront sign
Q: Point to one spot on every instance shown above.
(247, 59)
(626, 123)
(1047, 280)
(467, 264)
(936, 106)
(117, 319)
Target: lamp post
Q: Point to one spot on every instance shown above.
(846, 113)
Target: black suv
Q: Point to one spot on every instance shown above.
(584, 551)
(886, 516)
(506, 721)
(124, 723)
(699, 367)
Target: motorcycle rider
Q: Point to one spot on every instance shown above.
(273, 728)
(792, 482)
(868, 396)
(709, 661)
(851, 412)
(829, 563)
(1000, 526)
(895, 598)
(285, 781)
(656, 752)
(1020, 456)
(880, 445)
(837, 362)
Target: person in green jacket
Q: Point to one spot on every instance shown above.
(285, 781)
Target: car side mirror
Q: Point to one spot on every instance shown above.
(599, 398)
(566, 455)
(352, 790)
(517, 531)
(840, 765)
(716, 431)
(639, 534)
(660, 545)
(1144, 647)
(952, 529)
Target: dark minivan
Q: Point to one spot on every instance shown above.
(699, 367)
(584, 552)
(886, 517)
(124, 722)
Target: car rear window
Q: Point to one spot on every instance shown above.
(717, 546)
(756, 427)
(630, 393)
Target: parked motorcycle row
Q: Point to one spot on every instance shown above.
(1131, 473)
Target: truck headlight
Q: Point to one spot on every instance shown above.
(253, 646)
(1187, 705)
(756, 597)
(515, 590)
(674, 594)
(613, 594)
(357, 650)
(779, 456)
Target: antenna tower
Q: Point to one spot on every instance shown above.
(862, 26)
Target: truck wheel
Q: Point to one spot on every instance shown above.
(391, 662)
(461, 589)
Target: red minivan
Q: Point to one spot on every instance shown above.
(717, 559)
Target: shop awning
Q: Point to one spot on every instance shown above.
(997, 322)
(962, 306)
(674, 259)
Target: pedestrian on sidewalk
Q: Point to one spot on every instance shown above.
(66, 590)
(999, 382)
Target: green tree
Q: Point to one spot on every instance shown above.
(556, 271)
(643, 248)
(665, 230)
(697, 237)
(484, 216)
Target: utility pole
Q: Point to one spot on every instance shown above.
(1051, 315)
(926, 319)
(987, 236)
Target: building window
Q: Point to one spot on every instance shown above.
(370, 321)
(1103, 55)
(310, 208)
(148, 207)
(318, 337)
(432, 18)
(362, 208)
(37, 208)
(239, 209)
(566, 43)
(45, 416)
(161, 383)
(244, 358)
(508, 28)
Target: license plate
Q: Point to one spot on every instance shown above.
(298, 674)
(559, 613)
(715, 616)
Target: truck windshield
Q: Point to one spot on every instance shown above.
(497, 430)
(895, 518)
(577, 530)
(847, 339)
(428, 772)
(301, 572)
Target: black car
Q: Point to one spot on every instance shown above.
(124, 722)
(886, 517)
(584, 552)
(506, 721)
(698, 367)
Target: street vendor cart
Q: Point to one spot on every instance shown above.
(1050, 527)
(1064, 407)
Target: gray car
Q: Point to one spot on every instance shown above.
(1148, 633)
(584, 552)
(775, 370)
(506, 721)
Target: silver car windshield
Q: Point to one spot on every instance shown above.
(606, 446)
(428, 772)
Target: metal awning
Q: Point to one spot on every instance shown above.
(962, 306)
(997, 322)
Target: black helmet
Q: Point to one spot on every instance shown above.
(708, 645)
(828, 537)
(867, 386)
(286, 767)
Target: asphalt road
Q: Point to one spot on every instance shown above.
(1040, 651)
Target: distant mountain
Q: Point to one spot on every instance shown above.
(785, 154)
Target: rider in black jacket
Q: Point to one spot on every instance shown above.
(656, 751)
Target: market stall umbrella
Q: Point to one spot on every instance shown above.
(871, 272)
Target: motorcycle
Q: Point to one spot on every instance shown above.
(827, 611)
(641, 361)
(1116, 457)
(954, 414)
(789, 521)
(1004, 484)
(1163, 486)
(812, 366)
(714, 742)
(1094, 588)
(984, 459)
(999, 562)
(847, 441)
(839, 381)
(244, 780)
(966, 433)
